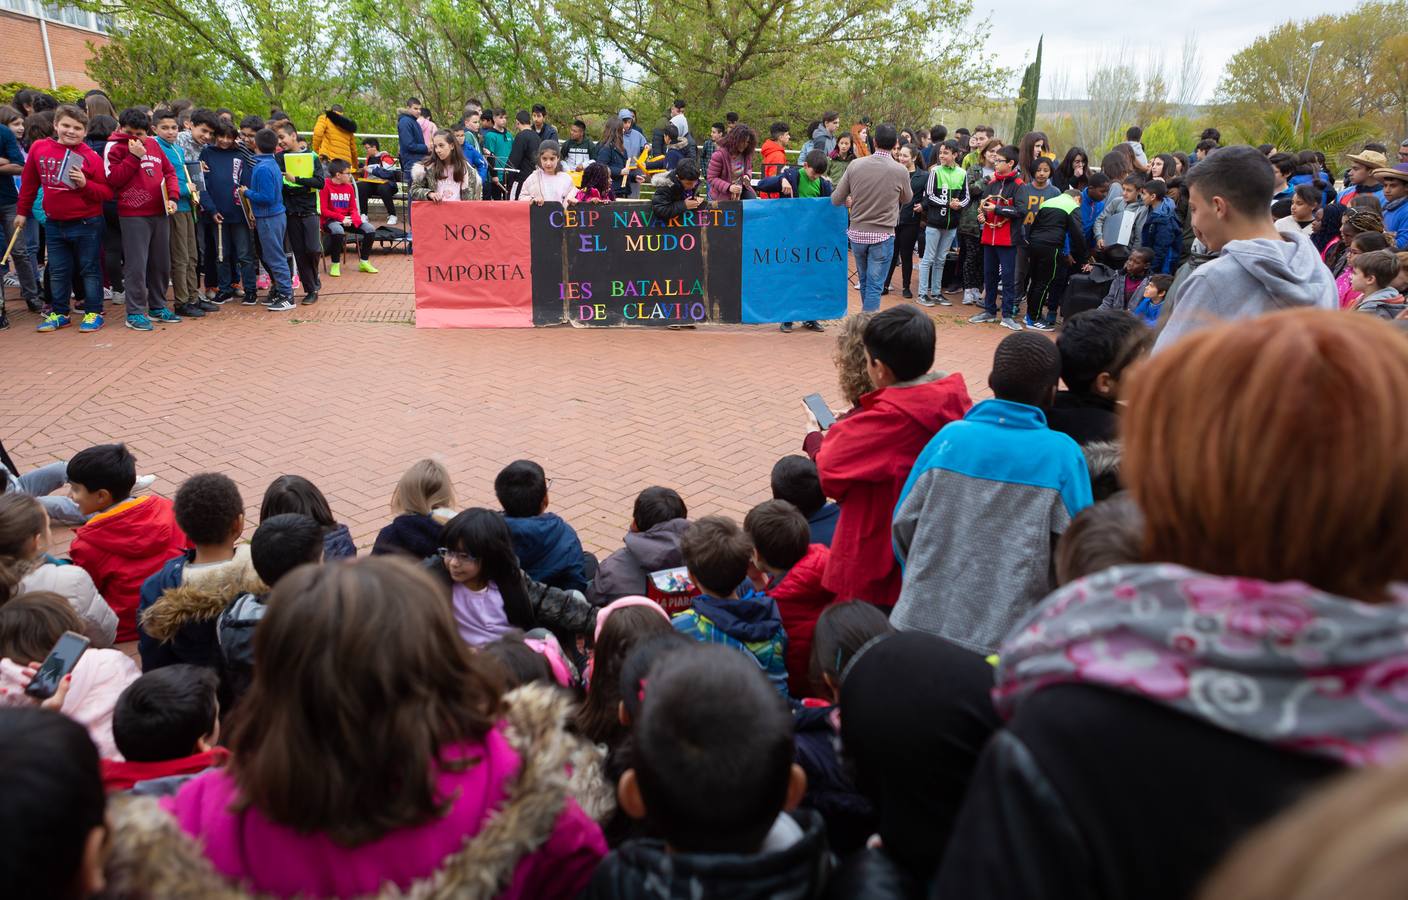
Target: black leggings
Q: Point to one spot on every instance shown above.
(906, 236)
(971, 258)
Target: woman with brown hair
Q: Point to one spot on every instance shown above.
(371, 750)
(730, 173)
(1158, 711)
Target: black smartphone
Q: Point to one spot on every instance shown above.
(820, 410)
(59, 663)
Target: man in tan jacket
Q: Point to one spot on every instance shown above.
(874, 187)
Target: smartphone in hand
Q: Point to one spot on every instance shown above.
(60, 662)
(818, 408)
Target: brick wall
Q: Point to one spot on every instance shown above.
(22, 52)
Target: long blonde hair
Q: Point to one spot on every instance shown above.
(423, 488)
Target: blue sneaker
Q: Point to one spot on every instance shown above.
(91, 322)
(139, 322)
(163, 315)
(53, 322)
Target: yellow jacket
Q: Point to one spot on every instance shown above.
(334, 137)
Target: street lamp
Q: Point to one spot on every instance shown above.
(1314, 48)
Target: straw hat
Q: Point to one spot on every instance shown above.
(1399, 172)
(1371, 158)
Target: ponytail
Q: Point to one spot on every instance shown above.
(21, 518)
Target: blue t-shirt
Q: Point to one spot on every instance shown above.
(10, 150)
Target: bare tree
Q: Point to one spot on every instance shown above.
(1190, 76)
(1112, 86)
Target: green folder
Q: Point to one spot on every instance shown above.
(298, 165)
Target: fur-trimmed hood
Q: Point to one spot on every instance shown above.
(152, 858)
(197, 599)
(341, 121)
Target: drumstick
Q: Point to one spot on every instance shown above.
(220, 242)
(9, 248)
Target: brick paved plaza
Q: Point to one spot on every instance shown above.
(349, 393)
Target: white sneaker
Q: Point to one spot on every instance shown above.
(143, 482)
(107, 294)
(1012, 324)
(390, 220)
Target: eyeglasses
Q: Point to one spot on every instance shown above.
(455, 556)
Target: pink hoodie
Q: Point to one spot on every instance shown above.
(98, 680)
(275, 859)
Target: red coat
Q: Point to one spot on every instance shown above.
(137, 180)
(774, 161)
(800, 598)
(863, 464)
(124, 545)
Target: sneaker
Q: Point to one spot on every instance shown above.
(91, 322)
(982, 318)
(885, 291)
(139, 322)
(926, 300)
(107, 292)
(1011, 323)
(813, 325)
(251, 299)
(972, 297)
(1027, 321)
(4, 321)
(187, 311)
(281, 304)
(143, 482)
(162, 314)
(366, 266)
(310, 298)
(35, 306)
(391, 220)
(335, 270)
(209, 306)
(119, 298)
(222, 297)
(12, 280)
(1042, 326)
(785, 328)
(53, 322)
(262, 282)
(942, 300)
(906, 294)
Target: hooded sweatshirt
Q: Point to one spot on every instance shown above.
(863, 463)
(226, 172)
(823, 140)
(800, 598)
(122, 546)
(410, 533)
(61, 202)
(750, 623)
(791, 865)
(548, 550)
(1248, 279)
(137, 181)
(266, 193)
(337, 202)
(626, 572)
(411, 139)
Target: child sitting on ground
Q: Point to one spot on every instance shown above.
(964, 497)
(547, 547)
(296, 494)
(712, 776)
(182, 601)
(595, 185)
(795, 479)
(337, 204)
(729, 611)
(791, 568)
(652, 544)
(423, 502)
(1108, 533)
(166, 725)
(1152, 303)
(620, 626)
(490, 594)
(1097, 347)
(1373, 276)
(281, 544)
(1126, 290)
(26, 567)
(127, 538)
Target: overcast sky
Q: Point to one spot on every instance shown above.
(1073, 42)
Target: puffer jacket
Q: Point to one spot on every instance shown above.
(180, 608)
(800, 598)
(99, 679)
(234, 637)
(334, 137)
(76, 586)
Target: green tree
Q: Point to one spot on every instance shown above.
(1027, 96)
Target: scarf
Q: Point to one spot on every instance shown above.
(1282, 663)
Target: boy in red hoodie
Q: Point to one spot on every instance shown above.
(775, 152)
(338, 208)
(791, 567)
(127, 538)
(74, 192)
(146, 187)
(866, 457)
(998, 215)
(165, 725)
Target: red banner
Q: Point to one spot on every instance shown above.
(473, 265)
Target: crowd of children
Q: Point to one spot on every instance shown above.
(923, 683)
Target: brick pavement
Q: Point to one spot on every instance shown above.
(348, 393)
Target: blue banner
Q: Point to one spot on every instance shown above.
(794, 260)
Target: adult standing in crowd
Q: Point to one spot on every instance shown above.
(875, 186)
(730, 174)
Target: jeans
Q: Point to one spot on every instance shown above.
(74, 247)
(938, 241)
(42, 482)
(1001, 260)
(337, 239)
(872, 265)
(19, 257)
(271, 238)
(238, 251)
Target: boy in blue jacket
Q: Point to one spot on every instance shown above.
(1161, 232)
(266, 195)
(728, 610)
(226, 171)
(547, 547)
